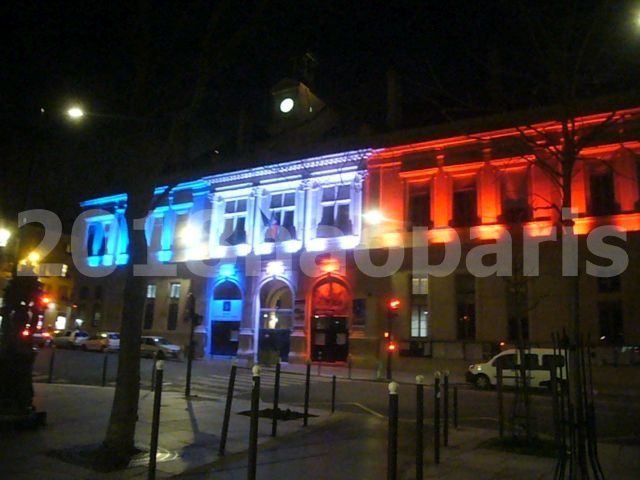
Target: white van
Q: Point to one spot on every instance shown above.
(537, 360)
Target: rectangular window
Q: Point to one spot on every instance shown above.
(419, 205)
(465, 206)
(63, 291)
(608, 284)
(149, 310)
(517, 310)
(514, 189)
(549, 360)
(96, 316)
(359, 312)
(335, 219)
(174, 291)
(235, 216)
(419, 321)
(508, 361)
(602, 197)
(610, 321)
(181, 230)
(151, 290)
(466, 306)
(419, 286)
(279, 224)
(419, 307)
(97, 235)
(172, 321)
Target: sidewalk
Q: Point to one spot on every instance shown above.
(353, 446)
(77, 416)
(345, 446)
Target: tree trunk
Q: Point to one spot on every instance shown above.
(575, 376)
(119, 443)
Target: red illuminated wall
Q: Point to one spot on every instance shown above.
(442, 164)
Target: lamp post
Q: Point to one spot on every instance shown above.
(21, 305)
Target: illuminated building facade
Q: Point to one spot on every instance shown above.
(274, 254)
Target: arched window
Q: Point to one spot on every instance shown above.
(227, 291)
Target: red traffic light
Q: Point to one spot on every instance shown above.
(394, 304)
(391, 347)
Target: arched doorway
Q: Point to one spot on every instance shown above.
(275, 319)
(330, 312)
(225, 320)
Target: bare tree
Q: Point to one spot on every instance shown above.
(571, 62)
(162, 161)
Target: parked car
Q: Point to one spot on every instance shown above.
(70, 338)
(537, 360)
(41, 338)
(150, 345)
(103, 342)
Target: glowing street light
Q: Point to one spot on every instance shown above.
(373, 217)
(286, 105)
(5, 234)
(75, 113)
(33, 257)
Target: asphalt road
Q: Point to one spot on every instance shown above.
(617, 417)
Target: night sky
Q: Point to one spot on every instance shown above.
(135, 67)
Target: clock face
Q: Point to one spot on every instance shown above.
(286, 105)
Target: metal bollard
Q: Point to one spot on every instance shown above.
(419, 427)
(253, 428)
(445, 436)
(51, 360)
(105, 363)
(187, 385)
(276, 399)
(333, 394)
(436, 419)
(153, 372)
(455, 407)
(392, 441)
(499, 396)
(227, 408)
(349, 365)
(307, 384)
(155, 422)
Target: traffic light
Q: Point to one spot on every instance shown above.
(393, 305)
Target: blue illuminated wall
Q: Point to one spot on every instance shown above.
(106, 237)
(190, 220)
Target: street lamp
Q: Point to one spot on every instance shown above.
(373, 217)
(75, 112)
(5, 234)
(286, 105)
